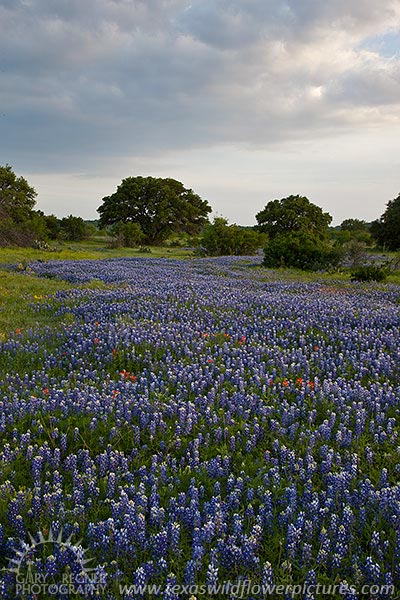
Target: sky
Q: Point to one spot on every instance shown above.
(243, 101)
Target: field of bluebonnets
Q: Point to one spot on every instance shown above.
(202, 421)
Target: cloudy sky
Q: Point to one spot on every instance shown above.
(242, 100)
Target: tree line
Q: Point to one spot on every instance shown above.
(293, 231)
(22, 225)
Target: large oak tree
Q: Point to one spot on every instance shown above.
(294, 214)
(298, 234)
(159, 206)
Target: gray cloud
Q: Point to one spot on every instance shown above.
(84, 84)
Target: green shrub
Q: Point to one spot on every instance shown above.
(221, 239)
(73, 229)
(369, 273)
(127, 235)
(300, 251)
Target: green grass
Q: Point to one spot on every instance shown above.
(310, 276)
(18, 293)
(294, 275)
(91, 249)
(21, 295)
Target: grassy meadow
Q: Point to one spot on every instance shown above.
(21, 289)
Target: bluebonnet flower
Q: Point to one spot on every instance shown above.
(216, 445)
(169, 593)
(190, 572)
(372, 571)
(267, 574)
(212, 574)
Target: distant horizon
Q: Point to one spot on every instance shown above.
(239, 101)
(214, 214)
(333, 224)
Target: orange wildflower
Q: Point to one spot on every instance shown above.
(127, 375)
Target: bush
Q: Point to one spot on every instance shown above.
(300, 251)
(342, 237)
(355, 253)
(369, 273)
(128, 235)
(73, 229)
(177, 241)
(221, 239)
(53, 226)
(12, 234)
